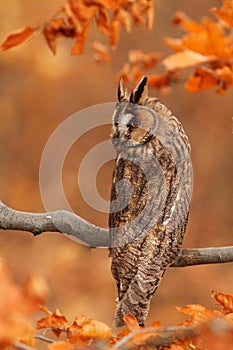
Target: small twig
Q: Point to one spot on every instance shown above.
(160, 339)
(23, 346)
(41, 337)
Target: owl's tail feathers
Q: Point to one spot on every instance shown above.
(139, 310)
(136, 301)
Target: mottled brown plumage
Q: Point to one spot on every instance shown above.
(151, 190)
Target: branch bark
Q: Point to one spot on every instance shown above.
(93, 236)
(61, 221)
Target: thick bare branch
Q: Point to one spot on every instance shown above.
(86, 233)
(199, 256)
(57, 221)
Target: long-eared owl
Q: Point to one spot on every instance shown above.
(150, 197)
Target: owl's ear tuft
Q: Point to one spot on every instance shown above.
(120, 91)
(131, 97)
(140, 92)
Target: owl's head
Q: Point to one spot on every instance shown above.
(132, 119)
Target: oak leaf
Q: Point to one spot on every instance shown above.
(14, 306)
(191, 309)
(146, 61)
(60, 345)
(82, 330)
(131, 322)
(182, 20)
(176, 44)
(225, 300)
(74, 332)
(54, 320)
(56, 28)
(94, 329)
(114, 33)
(102, 20)
(164, 80)
(202, 79)
(225, 13)
(80, 41)
(124, 18)
(185, 59)
(17, 38)
(101, 52)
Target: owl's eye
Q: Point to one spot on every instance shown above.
(134, 123)
(116, 124)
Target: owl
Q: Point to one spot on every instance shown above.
(150, 197)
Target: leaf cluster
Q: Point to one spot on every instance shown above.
(74, 20)
(207, 45)
(204, 329)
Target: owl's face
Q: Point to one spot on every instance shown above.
(132, 119)
(133, 122)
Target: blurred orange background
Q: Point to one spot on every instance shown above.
(39, 91)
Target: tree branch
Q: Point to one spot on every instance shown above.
(57, 221)
(199, 256)
(86, 233)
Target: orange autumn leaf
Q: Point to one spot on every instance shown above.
(225, 13)
(75, 18)
(27, 334)
(225, 300)
(202, 79)
(130, 73)
(176, 44)
(60, 345)
(74, 332)
(114, 33)
(200, 316)
(185, 59)
(45, 310)
(101, 52)
(210, 40)
(17, 38)
(220, 44)
(94, 329)
(140, 8)
(208, 37)
(82, 330)
(205, 329)
(158, 81)
(56, 28)
(156, 324)
(83, 11)
(177, 347)
(124, 18)
(162, 81)
(131, 322)
(140, 58)
(36, 289)
(54, 320)
(15, 305)
(80, 41)
(150, 16)
(182, 20)
(124, 332)
(225, 73)
(191, 309)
